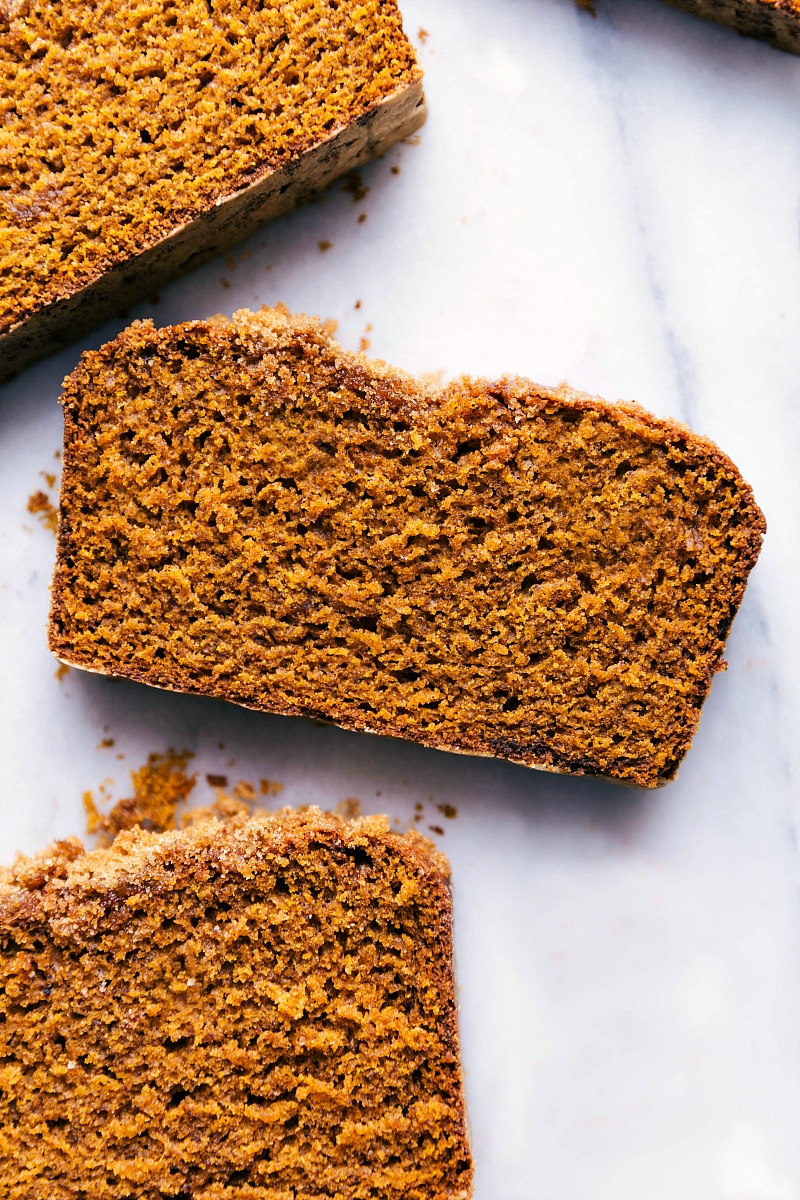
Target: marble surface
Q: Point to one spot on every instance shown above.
(615, 202)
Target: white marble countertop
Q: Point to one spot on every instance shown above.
(614, 202)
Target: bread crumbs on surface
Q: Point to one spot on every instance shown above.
(39, 503)
(349, 808)
(355, 185)
(224, 808)
(270, 787)
(244, 791)
(61, 671)
(158, 788)
(324, 245)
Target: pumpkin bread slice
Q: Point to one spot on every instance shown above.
(250, 512)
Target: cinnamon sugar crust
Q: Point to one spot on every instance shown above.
(254, 1010)
(252, 513)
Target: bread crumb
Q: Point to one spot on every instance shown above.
(355, 185)
(93, 818)
(436, 829)
(270, 787)
(106, 743)
(448, 810)
(224, 808)
(364, 343)
(39, 503)
(423, 35)
(324, 245)
(244, 791)
(217, 781)
(362, 218)
(158, 788)
(349, 808)
(61, 670)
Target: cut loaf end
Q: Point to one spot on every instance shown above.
(252, 513)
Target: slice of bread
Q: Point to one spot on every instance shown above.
(773, 21)
(250, 512)
(257, 1010)
(140, 139)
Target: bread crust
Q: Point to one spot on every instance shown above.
(774, 21)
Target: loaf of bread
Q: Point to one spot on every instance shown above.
(256, 1010)
(773, 21)
(139, 138)
(250, 512)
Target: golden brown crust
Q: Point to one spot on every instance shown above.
(118, 175)
(264, 1007)
(773, 21)
(250, 512)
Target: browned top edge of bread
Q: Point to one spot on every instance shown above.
(138, 857)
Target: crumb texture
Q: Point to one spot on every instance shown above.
(113, 113)
(259, 1010)
(249, 512)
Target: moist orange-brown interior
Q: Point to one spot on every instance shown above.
(251, 513)
(253, 1012)
(121, 120)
